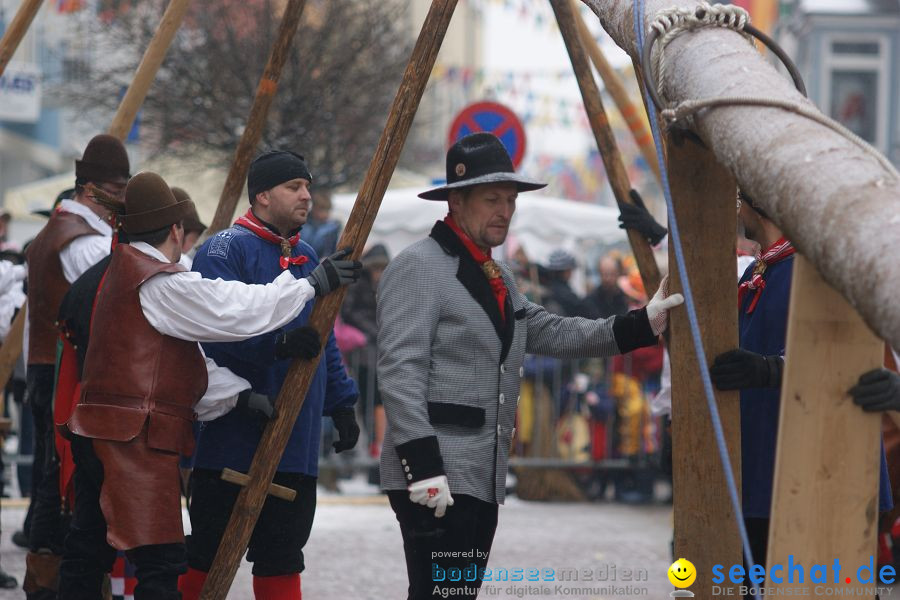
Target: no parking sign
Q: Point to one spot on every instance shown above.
(493, 118)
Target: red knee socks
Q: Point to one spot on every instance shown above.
(191, 584)
(281, 587)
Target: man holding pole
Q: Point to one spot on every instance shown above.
(77, 235)
(756, 368)
(453, 330)
(136, 409)
(261, 246)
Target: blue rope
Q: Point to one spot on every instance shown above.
(689, 302)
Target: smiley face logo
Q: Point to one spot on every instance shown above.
(682, 573)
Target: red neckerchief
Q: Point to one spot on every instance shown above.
(777, 252)
(251, 222)
(490, 268)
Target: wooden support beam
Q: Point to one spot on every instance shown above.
(146, 71)
(293, 391)
(12, 347)
(825, 497)
(16, 31)
(567, 18)
(634, 117)
(256, 122)
(703, 194)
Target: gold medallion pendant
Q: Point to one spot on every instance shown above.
(491, 269)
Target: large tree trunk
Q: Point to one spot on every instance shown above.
(832, 199)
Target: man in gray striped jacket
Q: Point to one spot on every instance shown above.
(452, 334)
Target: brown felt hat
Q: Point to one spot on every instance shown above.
(192, 222)
(104, 159)
(150, 204)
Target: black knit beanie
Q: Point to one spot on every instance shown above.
(274, 168)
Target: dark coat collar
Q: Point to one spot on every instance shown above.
(474, 280)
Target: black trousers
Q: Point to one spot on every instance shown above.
(468, 527)
(758, 536)
(88, 556)
(47, 528)
(281, 532)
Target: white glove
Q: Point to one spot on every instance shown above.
(659, 305)
(433, 492)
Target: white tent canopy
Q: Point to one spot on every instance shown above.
(541, 223)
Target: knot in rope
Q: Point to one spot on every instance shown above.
(670, 22)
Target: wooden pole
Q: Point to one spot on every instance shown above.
(146, 71)
(17, 29)
(12, 347)
(293, 391)
(706, 531)
(825, 495)
(567, 19)
(616, 88)
(265, 93)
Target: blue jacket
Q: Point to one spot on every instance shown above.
(764, 331)
(231, 440)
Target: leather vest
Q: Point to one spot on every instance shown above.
(132, 372)
(46, 283)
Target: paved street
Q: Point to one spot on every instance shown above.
(355, 551)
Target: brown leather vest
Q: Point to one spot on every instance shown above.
(46, 283)
(131, 371)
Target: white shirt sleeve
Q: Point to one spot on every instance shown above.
(9, 302)
(82, 253)
(186, 306)
(10, 274)
(221, 392)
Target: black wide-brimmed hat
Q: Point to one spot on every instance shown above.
(476, 159)
(150, 204)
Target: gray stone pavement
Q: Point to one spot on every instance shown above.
(355, 551)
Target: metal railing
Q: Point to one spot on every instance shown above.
(582, 416)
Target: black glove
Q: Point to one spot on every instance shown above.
(738, 369)
(334, 272)
(302, 342)
(348, 431)
(877, 390)
(636, 216)
(259, 404)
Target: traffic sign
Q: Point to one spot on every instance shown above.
(493, 118)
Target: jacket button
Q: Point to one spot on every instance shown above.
(502, 369)
(502, 398)
(499, 430)
(521, 371)
(402, 461)
(409, 477)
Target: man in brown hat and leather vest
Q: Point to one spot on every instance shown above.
(143, 374)
(77, 235)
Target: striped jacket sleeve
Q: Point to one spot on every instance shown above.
(575, 337)
(409, 308)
